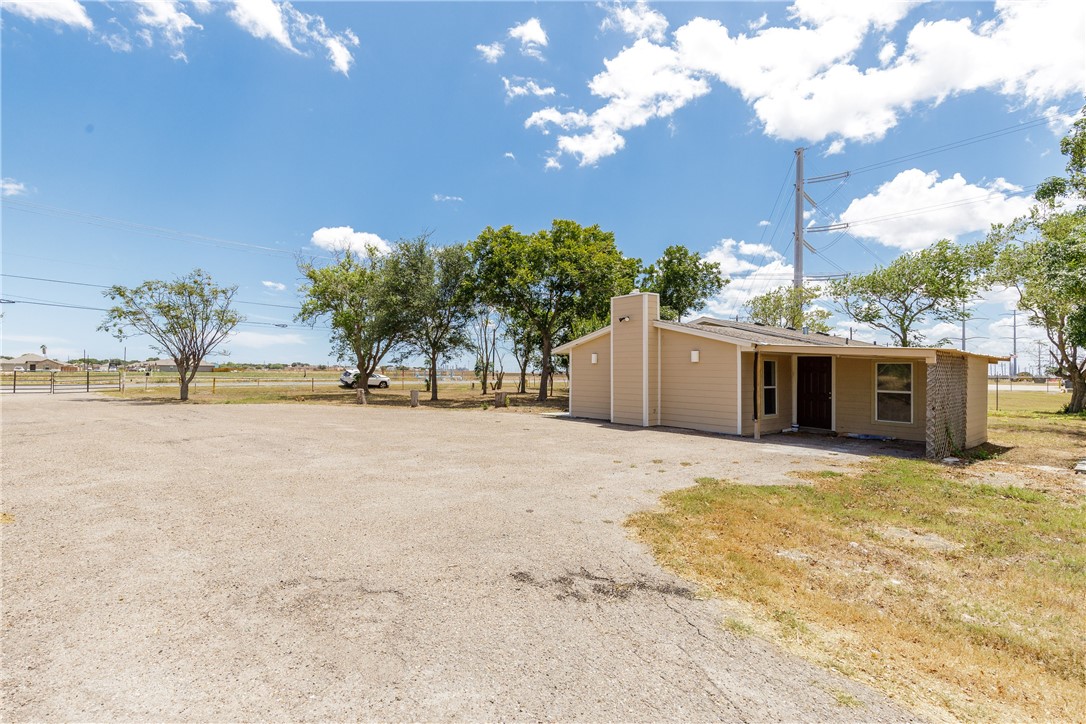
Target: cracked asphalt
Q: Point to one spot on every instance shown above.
(289, 562)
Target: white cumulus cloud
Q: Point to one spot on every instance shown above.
(443, 197)
(509, 155)
(802, 79)
(491, 51)
(532, 37)
(915, 209)
(262, 19)
(752, 268)
(68, 12)
(344, 238)
(274, 286)
(11, 187)
(638, 20)
(517, 87)
(293, 29)
(167, 19)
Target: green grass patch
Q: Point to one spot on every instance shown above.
(957, 587)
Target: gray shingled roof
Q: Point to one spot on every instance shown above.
(762, 334)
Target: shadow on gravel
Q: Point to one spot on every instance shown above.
(584, 586)
(821, 441)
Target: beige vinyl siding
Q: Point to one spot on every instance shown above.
(591, 390)
(854, 397)
(629, 381)
(976, 402)
(697, 396)
(783, 418)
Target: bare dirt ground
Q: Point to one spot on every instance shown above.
(287, 562)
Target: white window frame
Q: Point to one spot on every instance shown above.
(911, 393)
(776, 387)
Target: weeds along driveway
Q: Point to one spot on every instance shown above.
(222, 562)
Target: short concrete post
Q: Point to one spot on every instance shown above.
(414, 398)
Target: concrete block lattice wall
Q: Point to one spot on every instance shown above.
(945, 430)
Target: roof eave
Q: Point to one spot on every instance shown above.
(679, 327)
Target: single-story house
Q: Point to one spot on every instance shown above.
(170, 365)
(749, 379)
(31, 363)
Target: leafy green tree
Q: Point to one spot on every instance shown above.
(937, 282)
(789, 307)
(1047, 265)
(435, 284)
(684, 281)
(362, 306)
(1044, 257)
(550, 278)
(187, 318)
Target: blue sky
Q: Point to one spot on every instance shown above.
(141, 140)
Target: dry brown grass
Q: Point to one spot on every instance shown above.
(961, 598)
(459, 397)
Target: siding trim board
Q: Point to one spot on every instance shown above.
(644, 360)
(738, 390)
(833, 394)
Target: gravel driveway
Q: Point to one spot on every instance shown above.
(286, 562)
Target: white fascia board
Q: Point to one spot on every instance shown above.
(745, 344)
(568, 346)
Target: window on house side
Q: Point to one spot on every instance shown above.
(769, 388)
(894, 392)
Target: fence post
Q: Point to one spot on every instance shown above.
(14, 376)
(213, 381)
(88, 380)
(52, 383)
(312, 385)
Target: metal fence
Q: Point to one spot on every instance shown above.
(58, 382)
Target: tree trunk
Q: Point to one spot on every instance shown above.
(545, 372)
(522, 386)
(185, 376)
(433, 379)
(1078, 393)
(362, 387)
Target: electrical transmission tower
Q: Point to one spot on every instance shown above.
(801, 199)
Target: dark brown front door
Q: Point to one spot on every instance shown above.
(814, 392)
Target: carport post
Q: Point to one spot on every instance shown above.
(757, 377)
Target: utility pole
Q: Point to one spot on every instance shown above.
(1014, 356)
(1040, 346)
(801, 198)
(963, 326)
(797, 274)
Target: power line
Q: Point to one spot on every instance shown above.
(37, 302)
(144, 229)
(921, 210)
(104, 286)
(1032, 123)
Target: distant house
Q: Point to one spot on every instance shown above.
(32, 363)
(748, 379)
(170, 365)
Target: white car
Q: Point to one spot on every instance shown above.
(348, 378)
